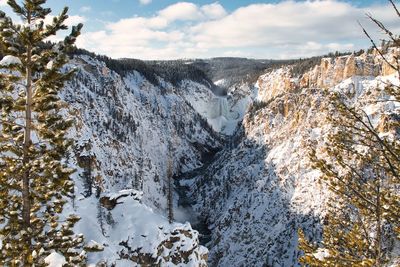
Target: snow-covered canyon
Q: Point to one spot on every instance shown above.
(239, 169)
(128, 132)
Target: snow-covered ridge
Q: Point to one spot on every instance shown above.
(127, 129)
(262, 188)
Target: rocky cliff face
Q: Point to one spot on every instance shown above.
(330, 72)
(261, 188)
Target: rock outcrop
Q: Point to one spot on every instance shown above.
(179, 247)
(330, 72)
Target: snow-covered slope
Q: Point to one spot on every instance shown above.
(131, 128)
(253, 195)
(126, 131)
(132, 234)
(261, 189)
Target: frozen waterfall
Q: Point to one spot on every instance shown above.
(219, 115)
(219, 108)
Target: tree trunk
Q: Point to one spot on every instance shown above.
(26, 202)
(169, 193)
(170, 204)
(26, 209)
(378, 252)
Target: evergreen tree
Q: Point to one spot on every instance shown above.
(34, 177)
(362, 170)
(170, 200)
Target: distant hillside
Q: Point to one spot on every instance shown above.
(218, 74)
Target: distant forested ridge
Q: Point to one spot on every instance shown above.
(205, 71)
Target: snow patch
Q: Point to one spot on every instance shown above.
(55, 260)
(10, 60)
(49, 65)
(93, 245)
(321, 254)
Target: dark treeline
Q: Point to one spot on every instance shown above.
(302, 65)
(233, 70)
(176, 71)
(205, 71)
(173, 71)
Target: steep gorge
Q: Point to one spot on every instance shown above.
(241, 172)
(129, 131)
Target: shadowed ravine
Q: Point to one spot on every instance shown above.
(185, 202)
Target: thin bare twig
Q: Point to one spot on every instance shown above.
(395, 7)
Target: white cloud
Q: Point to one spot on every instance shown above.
(85, 9)
(71, 20)
(213, 11)
(283, 26)
(309, 49)
(3, 2)
(279, 30)
(185, 11)
(74, 20)
(124, 26)
(145, 2)
(280, 23)
(181, 11)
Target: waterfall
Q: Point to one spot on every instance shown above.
(219, 107)
(223, 106)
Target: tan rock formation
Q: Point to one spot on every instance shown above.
(386, 68)
(350, 67)
(330, 72)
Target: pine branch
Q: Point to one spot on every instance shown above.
(378, 50)
(348, 185)
(364, 228)
(11, 123)
(372, 131)
(395, 7)
(383, 144)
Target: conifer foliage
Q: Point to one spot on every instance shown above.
(362, 171)
(361, 167)
(34, 177)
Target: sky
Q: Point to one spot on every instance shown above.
(167, 29)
